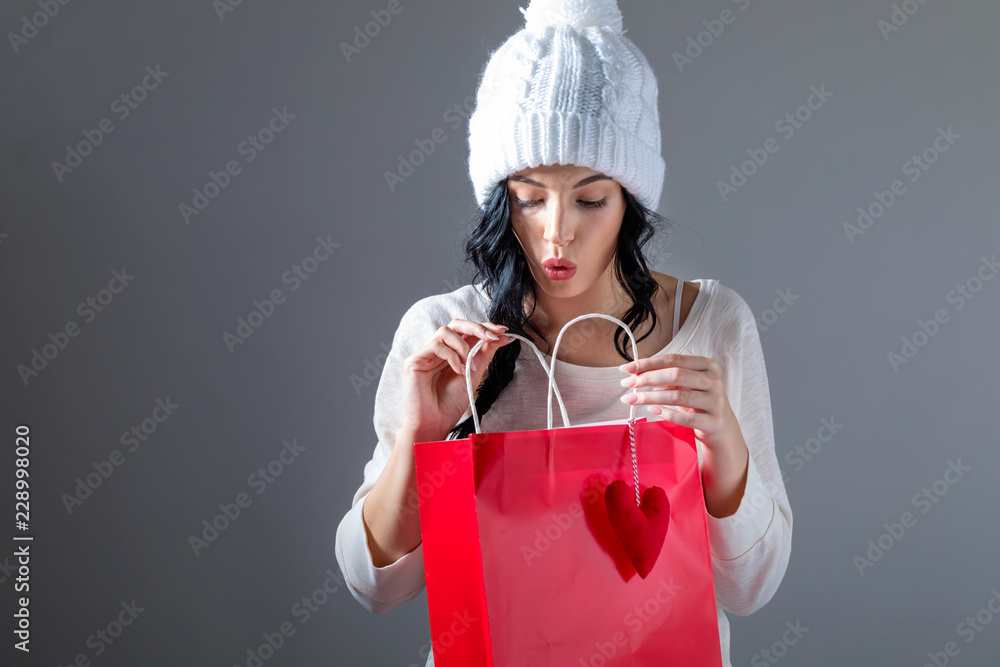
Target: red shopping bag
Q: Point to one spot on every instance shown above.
(524, 565)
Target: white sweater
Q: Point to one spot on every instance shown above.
(750, 549)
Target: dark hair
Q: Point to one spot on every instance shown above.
(495, 252)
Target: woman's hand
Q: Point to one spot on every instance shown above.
(434, 391)
(693, 388)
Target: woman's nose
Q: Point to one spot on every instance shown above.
(557, 230)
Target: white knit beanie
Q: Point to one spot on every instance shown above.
(568, 88)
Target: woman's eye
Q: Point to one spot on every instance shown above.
(528, 203)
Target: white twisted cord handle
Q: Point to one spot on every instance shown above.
(631, 411)
(541, 360)
(549, 370)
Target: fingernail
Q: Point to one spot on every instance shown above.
(627, 368)
(492, 336)
(629, 397)
(628, 381)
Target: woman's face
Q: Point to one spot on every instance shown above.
(567, 214)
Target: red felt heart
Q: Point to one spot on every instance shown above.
(641, 528)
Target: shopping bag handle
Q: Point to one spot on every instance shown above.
(555, 351)
(631, 410)
(548, 369)
(541, 360)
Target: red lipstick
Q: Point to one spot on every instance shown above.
(559, 269)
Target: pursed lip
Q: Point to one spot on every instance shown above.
(554, 263)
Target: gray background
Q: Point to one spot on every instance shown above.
(323, 176)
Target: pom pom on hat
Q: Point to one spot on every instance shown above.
(568, 88)
(578, 13)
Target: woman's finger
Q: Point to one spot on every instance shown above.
(444, 351)
(453, 342)
(457, 328)
(673, 376)
(485, 330)
(456, 341)
(688, 398)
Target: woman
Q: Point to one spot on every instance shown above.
(564, 159)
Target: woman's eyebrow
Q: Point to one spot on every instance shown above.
(586, 181)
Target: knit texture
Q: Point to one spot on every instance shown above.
(568, 88)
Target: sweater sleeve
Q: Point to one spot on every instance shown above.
(751, 548)
(379, 589)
